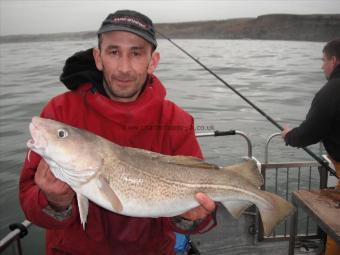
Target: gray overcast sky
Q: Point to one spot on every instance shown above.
(53, 16)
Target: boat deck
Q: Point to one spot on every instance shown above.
(235, 237)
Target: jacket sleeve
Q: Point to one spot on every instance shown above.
(318, 120)
(32, 200)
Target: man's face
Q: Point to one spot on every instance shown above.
(125, 60)
(328, 64)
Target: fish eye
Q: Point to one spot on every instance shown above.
(62, 133)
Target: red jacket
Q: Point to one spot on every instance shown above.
(152, 123)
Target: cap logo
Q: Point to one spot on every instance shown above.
(129, 20)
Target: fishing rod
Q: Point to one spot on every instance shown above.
(322, 162)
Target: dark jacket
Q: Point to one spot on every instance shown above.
(322, 122)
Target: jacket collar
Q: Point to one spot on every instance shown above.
(146, 107)
(336, 73)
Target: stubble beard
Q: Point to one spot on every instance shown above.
(118, 94)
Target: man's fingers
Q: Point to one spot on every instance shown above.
(205, 202)
(43, 170)
(42, 165)
(206, 207)
(46, 180)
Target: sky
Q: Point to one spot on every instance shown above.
(55, 16)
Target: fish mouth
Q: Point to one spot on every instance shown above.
(38, 141)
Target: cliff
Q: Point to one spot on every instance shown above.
(316, 27)
(269, 27)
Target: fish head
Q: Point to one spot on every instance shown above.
(64, 146)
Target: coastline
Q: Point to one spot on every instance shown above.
(315, 27)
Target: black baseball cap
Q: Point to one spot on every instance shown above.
(130, 21)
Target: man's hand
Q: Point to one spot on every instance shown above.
(284, 132)
(207, 206)
(58, 193)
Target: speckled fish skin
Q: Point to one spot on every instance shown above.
(140, 183)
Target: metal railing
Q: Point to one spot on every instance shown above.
(251, 211)
(18, 231)
(228, 133)
(285, 178)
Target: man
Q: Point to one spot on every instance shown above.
(323, 119)
(113, 94)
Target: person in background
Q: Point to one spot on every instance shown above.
(323, 119)
(114, 94)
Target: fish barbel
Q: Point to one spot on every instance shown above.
(141, 183)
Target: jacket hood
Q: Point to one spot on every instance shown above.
(81, 68)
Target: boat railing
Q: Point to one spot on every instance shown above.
(13, 238)
(285, 178)
(252, 211)
(228, 133)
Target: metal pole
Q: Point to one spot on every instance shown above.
(15, 235)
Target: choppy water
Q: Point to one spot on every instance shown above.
(279, 77)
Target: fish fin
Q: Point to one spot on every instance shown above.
(188, 161)
(272, 215)
(248, 170)
(83, 207)
(109, 194)
(236, 208)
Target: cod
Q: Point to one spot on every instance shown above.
(141, 183)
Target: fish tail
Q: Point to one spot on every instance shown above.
(273, 212)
